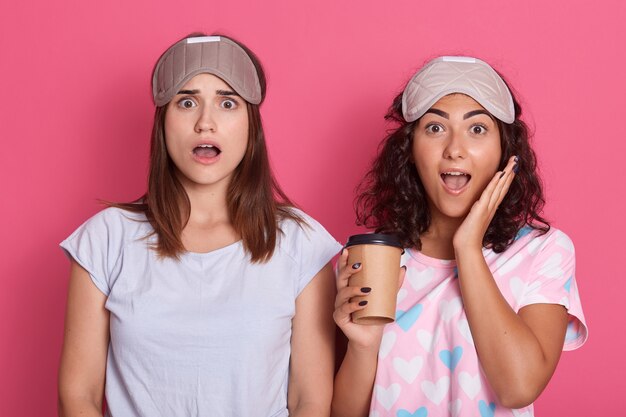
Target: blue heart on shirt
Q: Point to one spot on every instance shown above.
(523, 232)
(571, 333)
(451, 359)
(406, 319)
(420, 412)
(486, 411)
(568, 284)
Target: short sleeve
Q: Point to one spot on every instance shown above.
(553, 280)
(311, 246)
(94, 247)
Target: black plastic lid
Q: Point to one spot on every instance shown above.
(374, 239)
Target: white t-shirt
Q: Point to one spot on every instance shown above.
(207, 335)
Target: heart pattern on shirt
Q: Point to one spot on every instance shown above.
(522, 292)
(449, 309)
(451, 358)
(386, 344)
(486, 410)
(518, 413)
(470, 384)
(408, 370)
(387, 397)
(419, 279)
(427, 340)
(430, 351)
(506, 265)
(465, 331)
(455, 407)
(552, 267)
(402, 293)
(420, 412)
(406, 319)
(436, 391)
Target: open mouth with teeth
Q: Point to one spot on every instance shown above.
(206, 151)
(455, 180)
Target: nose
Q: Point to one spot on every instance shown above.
(454, 147)
(206, 121)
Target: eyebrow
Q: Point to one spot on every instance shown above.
(225, 93)
(465, 116)
(475, 113)
(218, 92)
(438, 112)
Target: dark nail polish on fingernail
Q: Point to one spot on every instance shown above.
(516, 158)
(356, 265)
(342, 249)
(516, 168)
(403, 267)
(362, 303)
(502, 175)
(366, 289)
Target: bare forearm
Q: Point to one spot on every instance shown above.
(79, 408)
(354, 383)
(309, 410)
(509, 352)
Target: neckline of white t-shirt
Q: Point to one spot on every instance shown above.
(219, 251)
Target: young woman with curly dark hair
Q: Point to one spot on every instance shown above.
(488, 300)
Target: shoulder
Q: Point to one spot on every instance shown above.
(307, 245)
(302, 229)
(114, 224)
(297, 222)
(536, 242)
(117, 216)
(98, 244)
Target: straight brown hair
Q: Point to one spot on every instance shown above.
(255, 201)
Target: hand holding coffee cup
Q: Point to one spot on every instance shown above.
(379, 257)
(368, 279)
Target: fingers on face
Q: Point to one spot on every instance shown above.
(503, 180)
(487, 195)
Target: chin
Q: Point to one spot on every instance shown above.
(455, 211)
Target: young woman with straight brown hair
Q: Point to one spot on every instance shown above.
(211, 294)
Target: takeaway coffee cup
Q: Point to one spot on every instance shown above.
(379, 255)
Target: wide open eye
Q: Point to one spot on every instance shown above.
(229, 104)
(478, 129)
(186, 103)
(434, 128)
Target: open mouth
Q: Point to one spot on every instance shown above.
(206, 151)
(455, 180)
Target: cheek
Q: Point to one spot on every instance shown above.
(427, 173)
(239, 132)
(496, 156)
(424, 158)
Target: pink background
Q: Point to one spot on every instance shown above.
(76, 111)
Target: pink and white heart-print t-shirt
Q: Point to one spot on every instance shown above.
(427, 364)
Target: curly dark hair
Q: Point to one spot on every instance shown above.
(392, 199)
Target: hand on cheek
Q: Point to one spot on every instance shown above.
(472, 231)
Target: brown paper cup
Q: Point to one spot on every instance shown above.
(379, 255)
